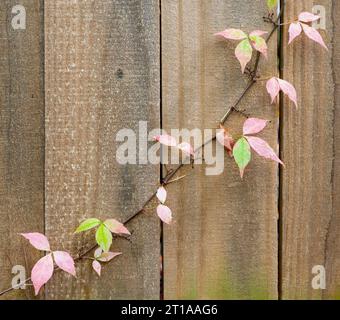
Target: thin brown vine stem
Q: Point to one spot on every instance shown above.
(276, 25)
(15, 287)
(234, 106)
(171, 174)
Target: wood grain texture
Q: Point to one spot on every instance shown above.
(223, 244)
(102, 75)
(310, 148)
(21, 139)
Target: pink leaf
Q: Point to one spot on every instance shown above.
(225, 139)
(108, 256)
(166, 140)
(308, 17)
(232, 34)
(37, 240)
(258, 33)
(254, 125)
(263, 149)
(243, 53)
(164, 213)
(65, 262)
(288, 89)
(295, 30)
(97, 267)
(273, 88)
(42, 272)
(161, 194)
(313, 34)
(116, 227)
(186, 148)
(98, 252)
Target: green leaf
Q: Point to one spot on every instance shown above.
(242, 154)
(104, 238)
(271, 4)
(88, 224)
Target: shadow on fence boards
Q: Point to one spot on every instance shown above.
(75, 72)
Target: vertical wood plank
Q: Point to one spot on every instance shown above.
(310, 148)
(21, 140)
(102, 75)
(223, 244)
(333, 250)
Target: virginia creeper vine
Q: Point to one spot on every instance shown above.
(240, 150)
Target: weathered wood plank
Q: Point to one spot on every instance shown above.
(310, 148)
(224, 242)
(21, 140)
(102, 75)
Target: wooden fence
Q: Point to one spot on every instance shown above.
(83, 69)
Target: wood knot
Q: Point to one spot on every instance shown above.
(120, 74)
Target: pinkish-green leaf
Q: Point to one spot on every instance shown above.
(108, 256)
(295, 30)
(271, 4)
(254, 125)
(232, 34)
(161, 194)
(166, 140)
(308, 17)
(242, 154)
(262, 148)
(243, 53)
(164, 213)
(288, 89)
(65, 262)
(273, 88)
(313, 34)
(116, 227)
(97, 267)
(259, 44)
(42, 272)
(37, 240)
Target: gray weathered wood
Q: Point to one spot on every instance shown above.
(223, 244)
(310, 148)
(21, 140)
(102, 75)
